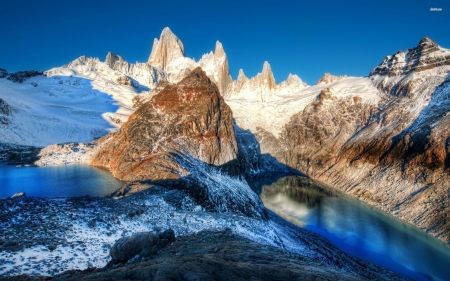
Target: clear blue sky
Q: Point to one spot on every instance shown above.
(307, 38)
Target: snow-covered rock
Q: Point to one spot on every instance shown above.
(328, 78)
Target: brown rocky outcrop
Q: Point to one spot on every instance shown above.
(146, 96)
(124, 80)
(190, 117)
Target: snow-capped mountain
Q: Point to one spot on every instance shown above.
(390, 150)
(382, 138)
(69, 104)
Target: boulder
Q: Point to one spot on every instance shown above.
(127, 247)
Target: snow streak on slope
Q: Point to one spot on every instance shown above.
(273, 115)
(71, 105)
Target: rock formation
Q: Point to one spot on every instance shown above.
(190, 117)
(216, 66)
(146, 96)
(5, 111)
(165, 50)
(262, 87)
(21, 76)
(426, 55)
(394, 155)
(259, 88)
(291, 84)
(327, 79)
(112, 58)
(3, 73)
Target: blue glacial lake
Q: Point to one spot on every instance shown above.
(357, 228)
(58, 181)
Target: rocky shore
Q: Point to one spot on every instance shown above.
(68, 239)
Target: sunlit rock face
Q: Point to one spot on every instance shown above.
(190, 117)
(165, 50)
(327, 79)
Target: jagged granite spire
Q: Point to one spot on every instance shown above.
(266, 76)
(165, 50)
(223, 73)
(112, 58)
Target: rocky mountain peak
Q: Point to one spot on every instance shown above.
(219, 51)
(426, 55)
(196, 78)
(267, 75)
(294, 79)
(327, 79)
(165, 50)
(427, 41)
(266, 68)
(241, 76)
(112, 58)
(189, 118)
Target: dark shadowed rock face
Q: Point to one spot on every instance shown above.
(21, 76)
(5, 109)
(3, 73)
(190, 117)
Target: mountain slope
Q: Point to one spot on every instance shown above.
(393, 153)
(68, 105)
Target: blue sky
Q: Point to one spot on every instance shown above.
(307, 38)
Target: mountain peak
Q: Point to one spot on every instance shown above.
(293, 78)
(266, 67)
(241, 75)
(112, 58)
(219, 52)
(165, 50)
(327, 79)
(195, 77)
(426, 41)
(167, 32)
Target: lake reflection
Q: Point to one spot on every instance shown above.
(358, 229)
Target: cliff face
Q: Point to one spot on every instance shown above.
(165, 50)
(394, 154)
(190, 118)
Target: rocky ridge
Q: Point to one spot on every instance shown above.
(91, 229)
(328, 78)
(189, 117)
(165, 50)
(386, 154)
(263, 87)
